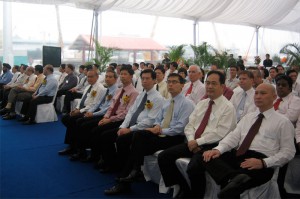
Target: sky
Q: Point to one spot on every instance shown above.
(38, 22)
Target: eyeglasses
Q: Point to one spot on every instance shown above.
(172, 82)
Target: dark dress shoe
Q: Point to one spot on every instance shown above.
(66, 151)
(4, 111)
(9, 117)
(89, 158)
(134, 175)
(29, 122)
(120, 188)
(233, 188)
(23, 119)
(77, 156)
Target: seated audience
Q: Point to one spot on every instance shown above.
(212, 119)
(161, 85)
(296, 85)
(232, 81)
(43, 95)
(246, 157)
(7, 75)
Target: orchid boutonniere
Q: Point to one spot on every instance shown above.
(149, 105)
(126, 99)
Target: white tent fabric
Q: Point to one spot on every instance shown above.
(273, 14)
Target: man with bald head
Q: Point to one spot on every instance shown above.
(246, 157)
(194, 89)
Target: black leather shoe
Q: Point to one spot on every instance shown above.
(66, 151)
(23, 119)
(134, 174)
(29, 122)
(9, 117)
(4, 111)
(234, 185)
(120, 188)
(77, 156)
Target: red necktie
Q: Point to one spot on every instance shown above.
(204, 121)
(250, 136)
(276, 104)
(113, 111)
(189, 90)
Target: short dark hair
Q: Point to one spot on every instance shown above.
(89, 67)
(6, 65)
(96, 65)
(181, 80)
(220, 74)
(274, 69)
(290, 71)
(17, 67)
(167, 65)
(63, 66)
(153, 74)
(183, 70)
(286, 78)
(234, 66)
(24, 66)
(128, 69)
(174, 64)
(136, 65)
(161, 68)
(113, 65)
(38, 68)
(248, 73)
(70, 66)
(82, 66)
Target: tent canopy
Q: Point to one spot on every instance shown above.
(273, 14)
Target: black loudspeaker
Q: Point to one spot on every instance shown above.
(51, 55)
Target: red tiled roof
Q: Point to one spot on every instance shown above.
(122, 43)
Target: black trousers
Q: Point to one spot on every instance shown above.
(146, 143)
(70, 96)
(71, 134)
(32, 108)
(227, 166)
(5, 93)
(96, 137)
(171, 174)
(84, 126)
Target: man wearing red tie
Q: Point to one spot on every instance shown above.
(246, 157)
(194, 90)
(211, 120)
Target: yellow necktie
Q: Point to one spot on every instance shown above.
(168, 116)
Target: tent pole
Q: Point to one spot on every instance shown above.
(96, 30)
(257, 32)
(195, 32)
(8, 56)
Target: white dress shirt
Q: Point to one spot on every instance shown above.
(249, 103)
(30, 82)
(163, 89)
(62, 78)
(198, 91)
(297, 130)
(232, 83)
(296, 88)
(275, 137)
(93, 97)
(138, 84)
(290, 107)
(222, 120)
(147, 117)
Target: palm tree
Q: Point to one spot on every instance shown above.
(176, 52)
(104, 56)
(203, 54)
(293, 53)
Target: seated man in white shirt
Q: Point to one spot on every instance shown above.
(242, 98)
(161, 85)
(296, 85)
(246, 157)
(210, 121)
(286, 104)
(232, 81)
(195, 89)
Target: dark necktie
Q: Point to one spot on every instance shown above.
(114, 109)
(38, 90)
(276, 104)
(102, 101)
(157, 87)
(250, 136)
(84, 97)
(204, 121)
(17, 78)
(189, 90)
(140, 108)
(136, 82)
